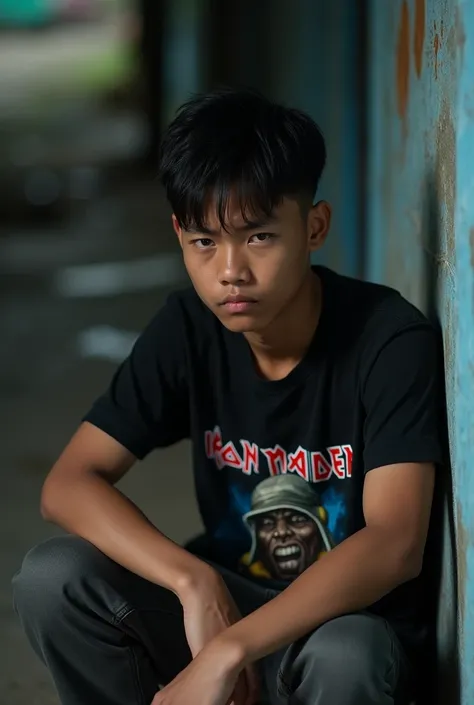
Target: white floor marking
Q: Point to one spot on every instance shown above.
(113, 278)
(106, 343)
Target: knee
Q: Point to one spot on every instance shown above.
(344, 654)
(351, 645)
(49, 572)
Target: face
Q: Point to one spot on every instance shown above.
(248, 274)
(288, 542)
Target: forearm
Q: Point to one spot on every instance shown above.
(352, 577)
(90, 507)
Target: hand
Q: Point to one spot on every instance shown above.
(211, 678)
(209, 609)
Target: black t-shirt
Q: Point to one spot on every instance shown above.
(279, 465)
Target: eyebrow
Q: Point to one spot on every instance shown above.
(248, 225)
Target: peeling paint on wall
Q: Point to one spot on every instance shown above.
(436, 47)
(403, 61)
(446, 176)
(421, 241)
(464, 439)
(419, 35)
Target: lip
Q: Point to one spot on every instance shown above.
(238, 304)
(285, 553)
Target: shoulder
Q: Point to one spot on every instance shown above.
(371, 322)
(374, 313)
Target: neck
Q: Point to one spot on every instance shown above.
(288, 337)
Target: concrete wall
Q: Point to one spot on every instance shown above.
(420, 212)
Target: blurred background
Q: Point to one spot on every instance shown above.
(87, 253)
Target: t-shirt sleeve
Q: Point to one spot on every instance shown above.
(146, 405)
(402, 398)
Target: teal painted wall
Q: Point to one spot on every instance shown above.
(306, 54)
(184, 52)
(303, 53)
(420, 211)
(314, 59)
(414, 188)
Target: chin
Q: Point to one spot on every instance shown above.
(241, 324)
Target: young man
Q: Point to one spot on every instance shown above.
(312, 402)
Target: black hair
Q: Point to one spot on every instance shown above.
(238, 141)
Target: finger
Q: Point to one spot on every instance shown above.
(240, 694)
(253, 685)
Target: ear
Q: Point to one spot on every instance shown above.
(177, 229)
(319, 221)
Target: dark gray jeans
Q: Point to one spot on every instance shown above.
(109, 637)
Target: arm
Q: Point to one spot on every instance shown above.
(385, 553)
(145, 407)
(79, 495)
(401, 449)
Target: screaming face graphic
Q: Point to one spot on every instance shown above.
(288, 542)
(288, 527)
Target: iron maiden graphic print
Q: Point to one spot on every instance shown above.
(294, 515)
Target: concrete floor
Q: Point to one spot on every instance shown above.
(47, 381)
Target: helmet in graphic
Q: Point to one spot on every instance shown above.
(288, 526)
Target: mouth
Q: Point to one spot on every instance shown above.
(238, 304)
(288, 557)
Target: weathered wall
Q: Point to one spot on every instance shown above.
(306, 54)
(420, 197)
(185, 55)
(315, 65)
(420, 211)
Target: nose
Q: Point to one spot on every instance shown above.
(233, 265)
(281, 529)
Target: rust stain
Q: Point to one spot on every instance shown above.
(419, 34)
(471, 245)
(436, 46)
(403, 62)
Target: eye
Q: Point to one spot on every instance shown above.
(262, 237)
(298, 519)
(202, 243)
